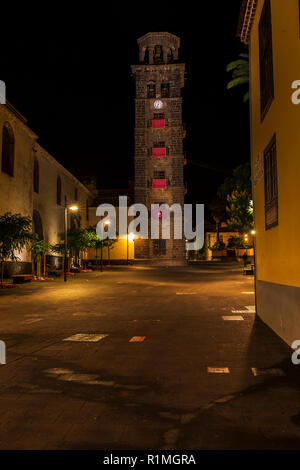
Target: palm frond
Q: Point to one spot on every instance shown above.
(237, 63)
(237, 81)
(246, 97)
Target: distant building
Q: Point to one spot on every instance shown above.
(159, 134)
(34, 184)
(271, 28)
(124, 246)
(225, 236)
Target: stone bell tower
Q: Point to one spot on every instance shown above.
(159, 134)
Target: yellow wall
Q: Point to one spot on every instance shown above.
(277, 249)
(117, 252)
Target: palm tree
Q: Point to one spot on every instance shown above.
(240, 73)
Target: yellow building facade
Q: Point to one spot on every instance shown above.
(271, 29)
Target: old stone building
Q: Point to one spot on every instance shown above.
(159, 133)
(33, 183)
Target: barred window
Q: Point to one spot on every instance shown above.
(165, 90)
(159, 247)
(271, 189)
(266, 59)
(151, 90)
(159, 174)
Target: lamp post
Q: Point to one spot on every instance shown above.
(130, 237)
(73, 209)
(107, 222)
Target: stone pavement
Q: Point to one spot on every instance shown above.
(194, 379)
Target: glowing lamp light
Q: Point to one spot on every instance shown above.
(73, 208)
(107, 222)
(253, 232)
(131, 237)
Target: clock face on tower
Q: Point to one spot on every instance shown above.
(158, 104)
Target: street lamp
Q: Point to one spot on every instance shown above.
(130, 238)
(107, 222)
(73, 209)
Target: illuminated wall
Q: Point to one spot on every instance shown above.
(277, 249)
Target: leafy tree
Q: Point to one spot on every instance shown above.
(240, 180)
(237, 193)
(218, 211)
(38, 250)
(239, 70)
(15, 234)
(237, 242)
(97, 243)
(78, 240)
(240, 212)
(217, 246)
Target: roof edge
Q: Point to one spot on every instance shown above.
(246, 18)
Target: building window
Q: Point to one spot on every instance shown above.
(159, 174)
(271, 189)
(159, 247)
(151, 90)
(37, 224)
(58, 191)
(36, 176)
(266, 59)
(76, 194)
(165, 90)
(8, 149)
(87, 210)
(170, 55)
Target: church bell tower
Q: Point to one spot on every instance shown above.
(159, 134)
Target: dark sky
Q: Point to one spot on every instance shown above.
(70, 77)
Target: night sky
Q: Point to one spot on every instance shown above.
(70, 77)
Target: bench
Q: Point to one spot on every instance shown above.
(249, 270)
(53, 270)
(20, 278)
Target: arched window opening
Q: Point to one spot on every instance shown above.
(170, 55)
(58, 191)
(8, 149)
(158, 55)
(36, 176)
(87, 210)
(38, 224)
